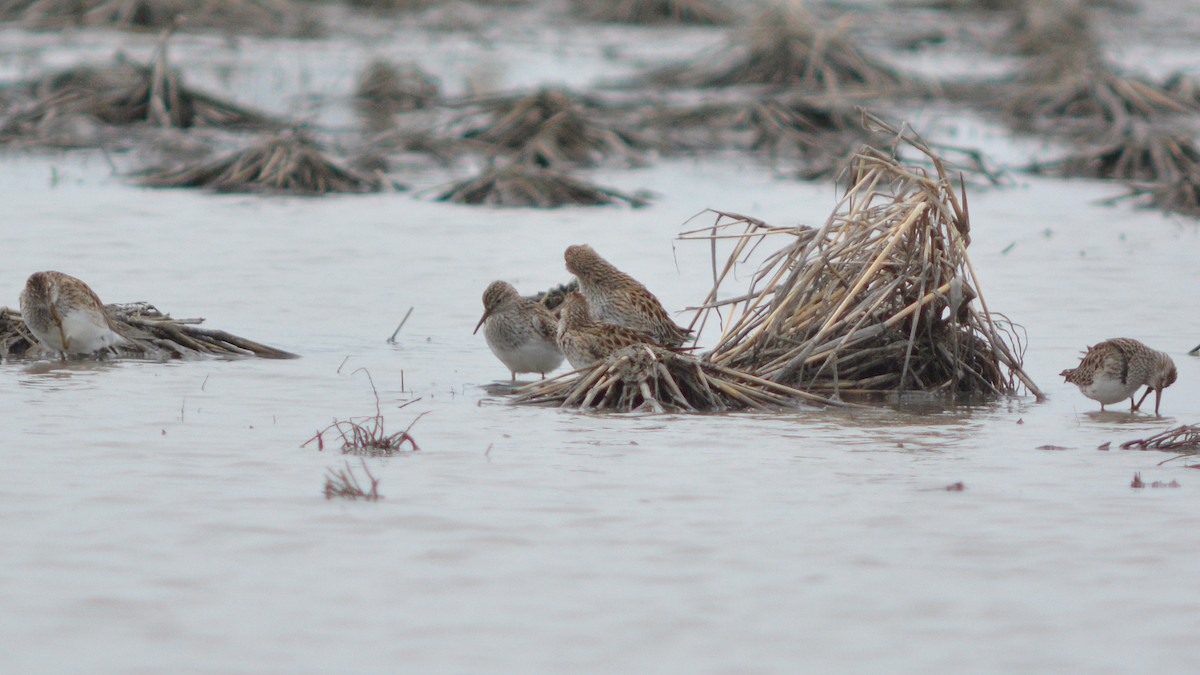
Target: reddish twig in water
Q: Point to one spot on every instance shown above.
(367, 435)
(344, 484)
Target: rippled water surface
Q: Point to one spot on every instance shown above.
(163, 517)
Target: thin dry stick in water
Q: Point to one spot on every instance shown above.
(392, 340)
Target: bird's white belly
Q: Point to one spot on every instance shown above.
(532, 356)
(1108, 390)
(86, 332)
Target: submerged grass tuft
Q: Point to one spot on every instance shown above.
(881, 298)
(525, 186)
(289, 163)
(366, 436)
(344, 484)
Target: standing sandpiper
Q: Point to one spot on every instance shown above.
(519, 331)
(617, 298)
(1115, 369)
(585, 341)
(66, 316)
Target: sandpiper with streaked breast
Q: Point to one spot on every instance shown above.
(617, 298)
(586, 341)
(1115, 369)
(520, 331)
(65, 315)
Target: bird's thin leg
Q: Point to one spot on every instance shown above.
(1139, 403)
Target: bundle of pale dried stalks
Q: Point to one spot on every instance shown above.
(881, 298)
(396, 87)
(779, 126)
(290, 163)
(650, 378)
(786, 46)
(119, 95)
(1140, 152)
(695, 12)
(150, 334)
(239, 17)
(1087, 98)
(530, 186)
(548, 128)
(1178, 194)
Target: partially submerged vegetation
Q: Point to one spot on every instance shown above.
(71, 107)
(1145, 153)
(650, 378)
(395, 87)
(1090, 101)
(548, 128)
(881, 298)
(343, 484)
(1183, 439)
(289, 163)
(258, 17)
(150, 334)
(367, 436)
(1178, 194)
(778, 126)
(785, 46)
(523, 186)
(696, 12)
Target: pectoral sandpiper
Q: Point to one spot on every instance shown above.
(65, 315)
(519, 331)
(586, 341)
(1115, 369)
(617, 298)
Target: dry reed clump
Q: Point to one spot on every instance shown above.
(255, 17)
(1178, 194)
(289, 163)
(695, 12)
(1184, 440)
(344, 484)
(881, 298)
(1183, 87)
(122, 94)
(1139, 153)
(525, 186)
(366, 436)
(776, 126)
(1089, 101)
(654, 379)
(1058, 27)
(395, 87)
(16, 342)
(784, 46)
(150, 334)
(554, 297)
(549, 128)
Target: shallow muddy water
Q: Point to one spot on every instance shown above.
(164, 516)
